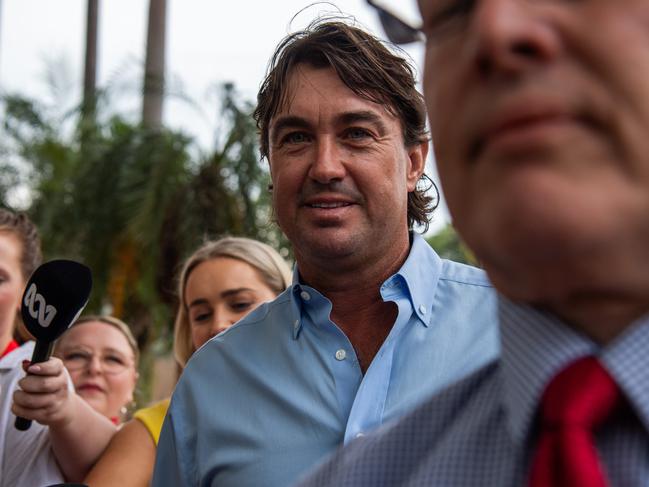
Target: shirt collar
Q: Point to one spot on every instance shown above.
(627, 360)
(419, 273)
(536, 345)
(296, 304)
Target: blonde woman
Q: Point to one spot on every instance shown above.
(219, 284)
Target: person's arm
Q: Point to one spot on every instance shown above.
(78, 433)
(128, 460)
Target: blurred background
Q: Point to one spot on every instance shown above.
(126, 135)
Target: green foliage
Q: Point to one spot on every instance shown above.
(448, 245)
(132, 203)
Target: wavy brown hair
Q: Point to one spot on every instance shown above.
(367, 67)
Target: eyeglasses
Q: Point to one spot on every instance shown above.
(396, 29)
(81, 359)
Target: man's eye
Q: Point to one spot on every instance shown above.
(357, 133)
(295, 138)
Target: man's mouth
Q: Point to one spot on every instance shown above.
(524, 131)
(339, 204)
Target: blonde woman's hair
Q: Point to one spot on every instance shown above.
(273, 269)
(108, 320)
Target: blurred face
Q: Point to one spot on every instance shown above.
(101, 364)
(12, 283)
(218, 293)
(539, 113)
(340, 171)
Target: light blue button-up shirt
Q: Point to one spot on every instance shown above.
(270, 397)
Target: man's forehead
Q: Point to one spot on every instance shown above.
(310, 91)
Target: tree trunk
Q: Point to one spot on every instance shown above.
(90, 67)
(0, 29)
(154, 66)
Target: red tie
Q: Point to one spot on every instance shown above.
(575, 402)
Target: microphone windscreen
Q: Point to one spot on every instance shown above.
(55, 295)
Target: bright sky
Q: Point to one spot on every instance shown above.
(208, 42)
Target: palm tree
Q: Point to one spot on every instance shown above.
(154, 65)
(136, 202)
(90, 65)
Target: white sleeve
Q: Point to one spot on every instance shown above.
(26, 457)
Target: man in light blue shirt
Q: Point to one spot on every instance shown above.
(374, 322)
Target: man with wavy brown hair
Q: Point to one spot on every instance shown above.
(374, 320)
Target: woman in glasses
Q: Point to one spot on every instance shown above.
(101, 357)
(82, 392)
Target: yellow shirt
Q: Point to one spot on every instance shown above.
(152, 418)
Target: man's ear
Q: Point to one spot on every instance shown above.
(417, 154)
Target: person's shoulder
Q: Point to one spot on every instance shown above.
(266, 314)
(396, 451)
(258, 330)
(470, 396)
(158, 409)
(152, 418)
(460, 273)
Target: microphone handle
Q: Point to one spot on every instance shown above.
(42, 352)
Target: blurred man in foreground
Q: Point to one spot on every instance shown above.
(374, 321)
(539, 115)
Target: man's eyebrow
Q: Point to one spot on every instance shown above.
(287, 121)
(363, 116)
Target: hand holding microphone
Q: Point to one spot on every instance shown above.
(46, 394)
(55, 295)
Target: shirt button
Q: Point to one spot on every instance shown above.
(296, 323)
(341, 354)
(422, 309)
(305, 295)
(360, 435)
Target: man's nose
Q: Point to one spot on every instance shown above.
(327, 164)
(512, 35)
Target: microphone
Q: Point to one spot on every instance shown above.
(54, 297)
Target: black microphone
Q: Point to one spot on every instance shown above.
(55, 295)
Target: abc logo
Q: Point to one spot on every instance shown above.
(38, 308)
